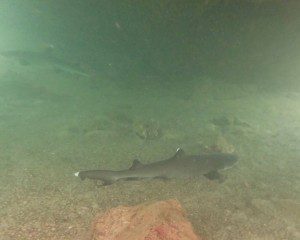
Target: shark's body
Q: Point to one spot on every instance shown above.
(32, 58)
(178, 166)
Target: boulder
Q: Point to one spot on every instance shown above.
(164, 220)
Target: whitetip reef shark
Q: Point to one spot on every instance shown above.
(178, 166)
(46, 57)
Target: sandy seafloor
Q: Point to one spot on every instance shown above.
(53, 124)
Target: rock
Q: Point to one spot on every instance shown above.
(148, 130)
(220, 145)
(164, 220)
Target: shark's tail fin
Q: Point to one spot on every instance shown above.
(77, 174)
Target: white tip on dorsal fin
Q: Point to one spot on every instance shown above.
(179, 153)
(76, 174)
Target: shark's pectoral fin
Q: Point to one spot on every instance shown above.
(136, 164)
(213, 175)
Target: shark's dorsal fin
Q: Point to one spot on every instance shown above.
(179, 153)
(48, 50)
(135, 164)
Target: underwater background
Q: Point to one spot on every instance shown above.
(95, 84)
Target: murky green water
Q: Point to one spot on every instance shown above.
(96, 84)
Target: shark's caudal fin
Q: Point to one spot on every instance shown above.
(77, 174)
